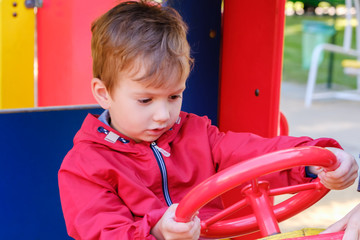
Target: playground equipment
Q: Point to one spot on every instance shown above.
(30, 162)
(35, 140)
(345, 49)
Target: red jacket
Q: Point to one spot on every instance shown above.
(114, 188)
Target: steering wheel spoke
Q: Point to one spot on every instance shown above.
(296, 188)
(224, 213)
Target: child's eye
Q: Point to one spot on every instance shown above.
(174, 97)
(145, 100)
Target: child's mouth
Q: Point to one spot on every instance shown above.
(156, 131)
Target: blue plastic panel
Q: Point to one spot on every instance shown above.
(33, 145)
(204, 20)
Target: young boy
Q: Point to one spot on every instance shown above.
(131, 164)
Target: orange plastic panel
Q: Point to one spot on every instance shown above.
(64, 54)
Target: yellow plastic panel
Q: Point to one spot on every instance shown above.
(299, 233)
(17, 27)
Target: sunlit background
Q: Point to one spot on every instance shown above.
(338, 119)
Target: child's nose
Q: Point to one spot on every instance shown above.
(162, 113)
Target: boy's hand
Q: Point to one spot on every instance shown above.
(341, 178)
(168, 229)
(350, 223)
(345, 175)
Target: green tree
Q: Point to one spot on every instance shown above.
(315, 3)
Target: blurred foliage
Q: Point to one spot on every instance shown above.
(293, 45)
(315, 3)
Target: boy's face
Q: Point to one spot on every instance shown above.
(144, 113)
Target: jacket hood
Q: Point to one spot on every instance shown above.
(95, 131)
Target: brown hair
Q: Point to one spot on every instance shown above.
(140, 31)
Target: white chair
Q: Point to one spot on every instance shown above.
(345, 49)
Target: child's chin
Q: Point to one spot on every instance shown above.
(152, 139)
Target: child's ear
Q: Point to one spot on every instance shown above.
(100, 93)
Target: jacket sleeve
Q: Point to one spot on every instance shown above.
(93, 210)
(230, 148)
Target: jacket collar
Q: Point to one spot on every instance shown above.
(96, 129)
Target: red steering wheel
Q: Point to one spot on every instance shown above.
(265, 216)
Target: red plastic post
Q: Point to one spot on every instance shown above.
(259, 200)
(251, 66)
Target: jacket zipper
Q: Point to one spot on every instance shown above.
(161, 163)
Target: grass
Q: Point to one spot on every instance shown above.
(292, 67)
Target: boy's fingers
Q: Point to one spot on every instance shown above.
(196, 228)
(340, 178)
(178, 227)
(337, 183)
(189, 230)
